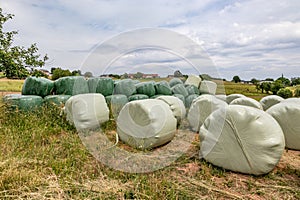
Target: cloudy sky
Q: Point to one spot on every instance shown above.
(249, 38)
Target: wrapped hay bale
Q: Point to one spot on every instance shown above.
(246, 101)
(105, 86)
(201, 108)
(270, 101)
(189, 100)
(232, 97)
(242, 139)
(191, 89)
(146, 124)
(23, 102)
(92, 84)
(37, 86)
(221, 97)
(87, 111)
(180, 96)
(163, 88)
(180, 89)
(287, 114)
(58, 100)
(176, 106)
(292, 100)
(175, 81)
(116, 102)
(137, 97)
(71, 85)
(208, 87)
(193, 80)
(146, 88)
(126, 87)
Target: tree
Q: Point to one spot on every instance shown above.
(276, 86)
(297, 92)
(177, 73)
(138, 75)
(14, 59)
(125, 75)
(236, 79)
(58, 73)
(76, 73)
(285, 81)
(254, 81)
(88, 74)
(285, 93)
(295, 81)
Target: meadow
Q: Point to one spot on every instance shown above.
(42, 157)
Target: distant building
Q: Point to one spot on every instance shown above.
(144, 76)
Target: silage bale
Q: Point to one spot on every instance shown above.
(208, 87)
(287, 114)
(126, 87)
(137, 97)
(201, 108)
(175, 81)
(242, 139)
(270, 101)
(176, 106)
(87, 111)
(292, 100)
(193, 80)
(189, 100)
(92, 84)
(180, 89)
(146, 124)
(191, 89)
(58, 100)
(116, 102)
(181, 97)
(232, 97)
(37, 86)
(246, 101)
(146, 88)
(221, 97)
(23, 102)
(163, 88)
(71, 85)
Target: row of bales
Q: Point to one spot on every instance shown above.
(236, 132)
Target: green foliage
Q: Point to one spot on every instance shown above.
(138, 75)
(285, 93)
(236, 79)
(285, 81)
(297, 93)
(38, 73)
(254, 81)
(58, 73)
(276, 86)
(295, 81)
(265, 86)
(88, 74)
(13, 59)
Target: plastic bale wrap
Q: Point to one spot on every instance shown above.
(292, 100)
(87, 111)
(175, 81)
(58, 100)
(163, 88)
(37, 86)
(232, 97)
(105, 86)
(23, 102)
(191, 89)
(221, 97)
(246, 101)
(176, 106)
(208, 87)
(201, 108)
(137, 97)
(288, 116)
(146, 124)
(146, 88)
(71, 85)
(193, 80)
(116, 102)
(180, 89)
(270, 101)
(126, 87)
(181, 97)
(189, 100)
(242, 139)
(92, 84)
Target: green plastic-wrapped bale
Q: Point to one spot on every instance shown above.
(180, 89)
(146, 88)
(192, 89)
(71, 85)
(37, 86)
(163, 88)
(137, 97)
(180, 96)
(175, 81)
(116, 102)
(126, 87)
(92, 84)
(105, 86)
(58, 100)
(189, 100)
(23, 102)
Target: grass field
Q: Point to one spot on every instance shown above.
(42, 157)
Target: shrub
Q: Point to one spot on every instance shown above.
(285, 93)
(297, 92)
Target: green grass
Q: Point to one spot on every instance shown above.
(11, 85)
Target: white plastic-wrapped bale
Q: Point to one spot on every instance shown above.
(58, 100)
(270, 101)
(246, 101)
(175, 81)
(242, 139)
(146, 124)
(287, 115)
(201, 108)
(191, 89)
(126, 87)
(193, 80)
(189, 100)
(208, 87)
(176, 106)
(23, 102)
(292, 100)
(180, 89)
(146, 88)
(180, 96)
(137, 97)
(116, 102)
(37, 86)
(163, 88)
(87, 111)
(232, 97)
(221, 97)
(71, 85)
